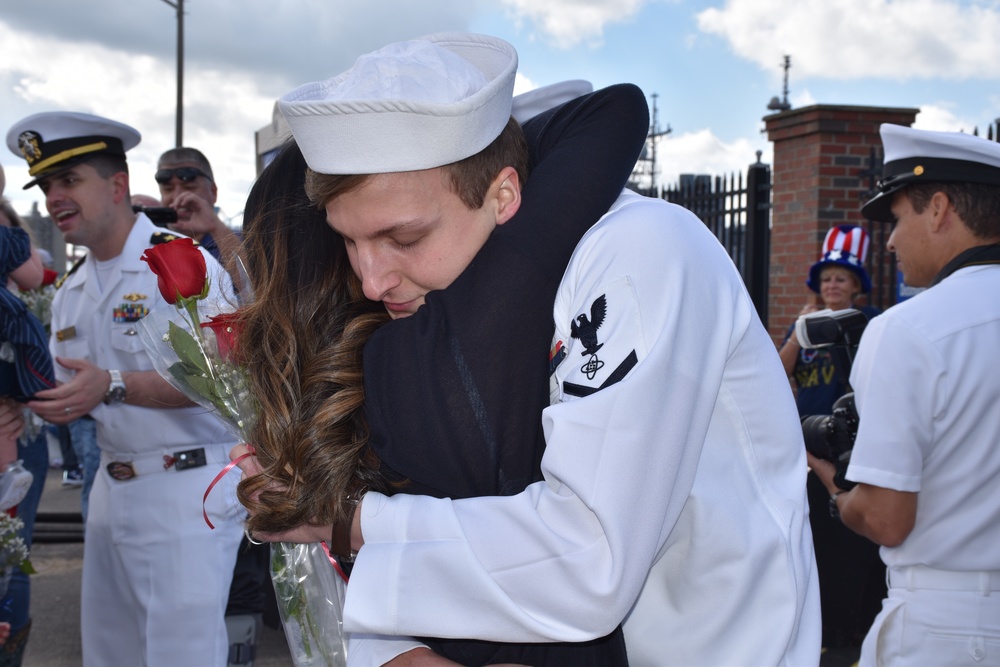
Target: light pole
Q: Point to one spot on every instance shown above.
(179, 6)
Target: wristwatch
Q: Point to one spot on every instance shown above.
(116, 392)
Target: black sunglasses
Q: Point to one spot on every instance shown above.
(183, 174)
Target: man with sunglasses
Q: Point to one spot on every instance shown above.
(187, 185)
(184, 176)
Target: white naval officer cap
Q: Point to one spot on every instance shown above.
(528, 105)
(53, 141)
(411, 105)
(923, 156)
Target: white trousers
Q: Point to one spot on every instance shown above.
(155, 577)
(933, 618)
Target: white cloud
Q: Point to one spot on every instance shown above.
(571, 22)
(803, 99)
(523, 84)
(701, 152)
(222, 109)
(848, 39)
(941, 117)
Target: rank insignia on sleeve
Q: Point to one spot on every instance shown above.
(608, 338)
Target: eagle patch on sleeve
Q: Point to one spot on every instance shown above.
(604, 342)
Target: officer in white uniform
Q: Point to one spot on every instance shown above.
(155, 576)
(674, 492)
(926, 460)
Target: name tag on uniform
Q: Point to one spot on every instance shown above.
(66, 334)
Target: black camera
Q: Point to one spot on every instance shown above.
(831, 437)
(161, 216)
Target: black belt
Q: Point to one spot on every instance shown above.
(189, 458)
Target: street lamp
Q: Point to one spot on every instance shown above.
(179, 6)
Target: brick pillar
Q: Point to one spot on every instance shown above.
(818, 153)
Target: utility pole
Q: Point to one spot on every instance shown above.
(654, 133)
(179, 6)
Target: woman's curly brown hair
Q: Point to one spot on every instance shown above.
(302, 336)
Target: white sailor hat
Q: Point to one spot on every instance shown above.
(56, 140)
(922, 156)
(410, 105)
(528, 105)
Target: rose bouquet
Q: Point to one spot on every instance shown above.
(197, 357)
(195, 347)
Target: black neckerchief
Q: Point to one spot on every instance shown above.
(982, 254)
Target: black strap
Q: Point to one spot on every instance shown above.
(977, 256)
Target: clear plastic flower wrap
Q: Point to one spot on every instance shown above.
(186, 355)
(310, 590)
(194, 345)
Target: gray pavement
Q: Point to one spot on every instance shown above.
(55, 590)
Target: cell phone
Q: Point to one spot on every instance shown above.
(161, 216)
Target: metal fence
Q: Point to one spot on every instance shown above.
(880, 263)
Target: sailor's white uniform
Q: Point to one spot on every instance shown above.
(674, 492)
(155, 577)
(927, 398)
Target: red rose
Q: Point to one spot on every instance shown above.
(180, 269)
(226, 327)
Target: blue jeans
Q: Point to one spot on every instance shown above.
(83, 434)
(69, 459)
(14, 608)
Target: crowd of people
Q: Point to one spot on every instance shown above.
(534, 415)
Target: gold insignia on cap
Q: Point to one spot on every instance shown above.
(65, 155)
(918, 170)
(27, 143)
(133, 297)
(66, 334)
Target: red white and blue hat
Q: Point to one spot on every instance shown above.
(846, 246)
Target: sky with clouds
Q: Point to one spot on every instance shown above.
(712, 65)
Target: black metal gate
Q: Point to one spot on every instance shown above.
(880, 263)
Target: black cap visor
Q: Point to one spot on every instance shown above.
(900, 173)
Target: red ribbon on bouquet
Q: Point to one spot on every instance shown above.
(225, 471)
